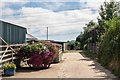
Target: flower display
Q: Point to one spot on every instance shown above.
(35, 60)
(9, 66)
(38, 55)
(47, 58)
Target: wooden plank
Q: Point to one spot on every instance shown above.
(9, 51)
(8, 59)
(12, 45)
(8, 55)
(6, 51)
(1, 52)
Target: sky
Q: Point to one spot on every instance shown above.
(65, 19)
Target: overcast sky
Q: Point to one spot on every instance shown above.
(64, 19)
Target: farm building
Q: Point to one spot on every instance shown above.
(12, 34)
(31, 39)
(11, 38)
(64, 44)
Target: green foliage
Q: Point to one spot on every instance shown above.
(109, 52)
(71, 45)
(90, 26)
(74, 45)
(108, 11)
(110, 45)
(90, 54)
(80, 40)
(105, 33)
(9, 66)
(77, 45)
(85, 47)
(26, 51)
(89, 35)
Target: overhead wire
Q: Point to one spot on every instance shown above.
(50, 25)
(60, 34)
(54, 28)
(53, 25)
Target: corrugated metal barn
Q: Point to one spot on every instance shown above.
(12, 34)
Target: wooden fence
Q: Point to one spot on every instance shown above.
(8, 53)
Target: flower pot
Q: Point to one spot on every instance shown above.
(9, 72)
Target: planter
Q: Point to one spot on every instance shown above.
(9, 72)
(9, 69)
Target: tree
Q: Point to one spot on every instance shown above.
(88, 36)
(109, 24)
(89, 26)
(107, 11)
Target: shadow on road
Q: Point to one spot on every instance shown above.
(29, 69)
(97, 67)
(25, 69)
(85, 59)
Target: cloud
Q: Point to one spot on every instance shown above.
(55, 6)
(57, 21)
(64, 22)
(8, 11)
(14, 1)
(2, 5)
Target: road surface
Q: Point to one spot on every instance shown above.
(74, 65)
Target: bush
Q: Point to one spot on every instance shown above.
(35, 60)
(109, 54)
(38, 55)
(28, 50)
(43, 59)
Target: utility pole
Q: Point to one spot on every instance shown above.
(47, 33)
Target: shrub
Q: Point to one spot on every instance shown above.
(43, 59)
(38, 55)
(27, 50)
(35, 60)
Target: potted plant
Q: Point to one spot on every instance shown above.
(9, 69)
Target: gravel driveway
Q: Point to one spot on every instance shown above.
(74, 65)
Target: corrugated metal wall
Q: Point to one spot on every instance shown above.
(11, 33)
(1, 29)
